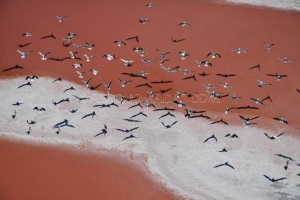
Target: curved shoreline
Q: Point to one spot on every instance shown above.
(165, 150)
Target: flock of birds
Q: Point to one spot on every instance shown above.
(162, 60)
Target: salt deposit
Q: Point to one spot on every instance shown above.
(176, 156)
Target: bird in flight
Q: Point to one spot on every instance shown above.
(211, 137)
(27, 34)
(48, 36)
(273, 179)
(286, 60)
(12, 68)
(220, 121)
(60, 18)
(24, 54)
(127, 130)
(285, 157)
(231, 135)
(278, 76)
(273, 137)
(43, 56)
(224, 164)
(168, 125)
(176, 40)
(213, 55)
(255, 67)
(25, 84)
(239, 51)
(184, 24)
(143, 20)
(281, 120)
(103, 131)
(90, 114)
(130, 136)
(268, 45)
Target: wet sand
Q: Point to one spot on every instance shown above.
(214, 28)
(34, 171)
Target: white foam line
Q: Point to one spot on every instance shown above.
(176, 156)
(278, 4)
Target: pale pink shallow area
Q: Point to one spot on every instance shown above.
(214, 28)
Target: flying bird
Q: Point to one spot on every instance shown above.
(119, 43)
(58, 79)
(278, 76)
(128, 137)
(164, 109)
(190, 77)
(48, 36)
(24, 54)
(27, 34)
(60, 18)
(74, 110)
(31, 122)
(29, 130)
(175, 40)
(23, 45)
(43, 56)
(143, 20)
(15, 114)
(286, 60)
(231, 135)
(127, 63)
(103, 131)
(261, 83)
(224, 164)
(136, 38)
(61, 101)
(203, 74)
(213, 55)
(70, 88)
(140, 113)
(144, 85)
(81, 98)
(132, 120)
(13, 68)
(211, 137)
(239, 51)
(220, 121)
(167, 114)
(184, 24)
(268, 45)
(136, 105)
(90, 114)
(285, 157)
(183, 54)
(168, 125)
(255, 67)
(204, 63)
(127, 130)
(17, 104)
(273, 179)
(281, 120)
(25, 84)
(226, 75)
(124, 83)
(39, 109)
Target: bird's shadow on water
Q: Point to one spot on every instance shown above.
(286, 196)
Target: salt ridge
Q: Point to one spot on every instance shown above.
(176, 156)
